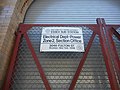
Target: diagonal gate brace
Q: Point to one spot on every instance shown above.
(47, 86)
(82, 61)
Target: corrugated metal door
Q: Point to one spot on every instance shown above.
(60, 67)
(73, 11)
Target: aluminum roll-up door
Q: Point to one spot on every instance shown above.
(73, 11)
(60, 67)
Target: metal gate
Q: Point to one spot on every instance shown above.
(98, 68)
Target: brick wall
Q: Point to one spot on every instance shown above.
(12, 13)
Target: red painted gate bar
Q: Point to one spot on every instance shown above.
(113, 50)
(114, 54)
(113, 30)
(37, 63)
(107, 56)
(109, 52)
(11, 66)
(82, 61)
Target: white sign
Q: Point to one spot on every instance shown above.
(66, 39)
